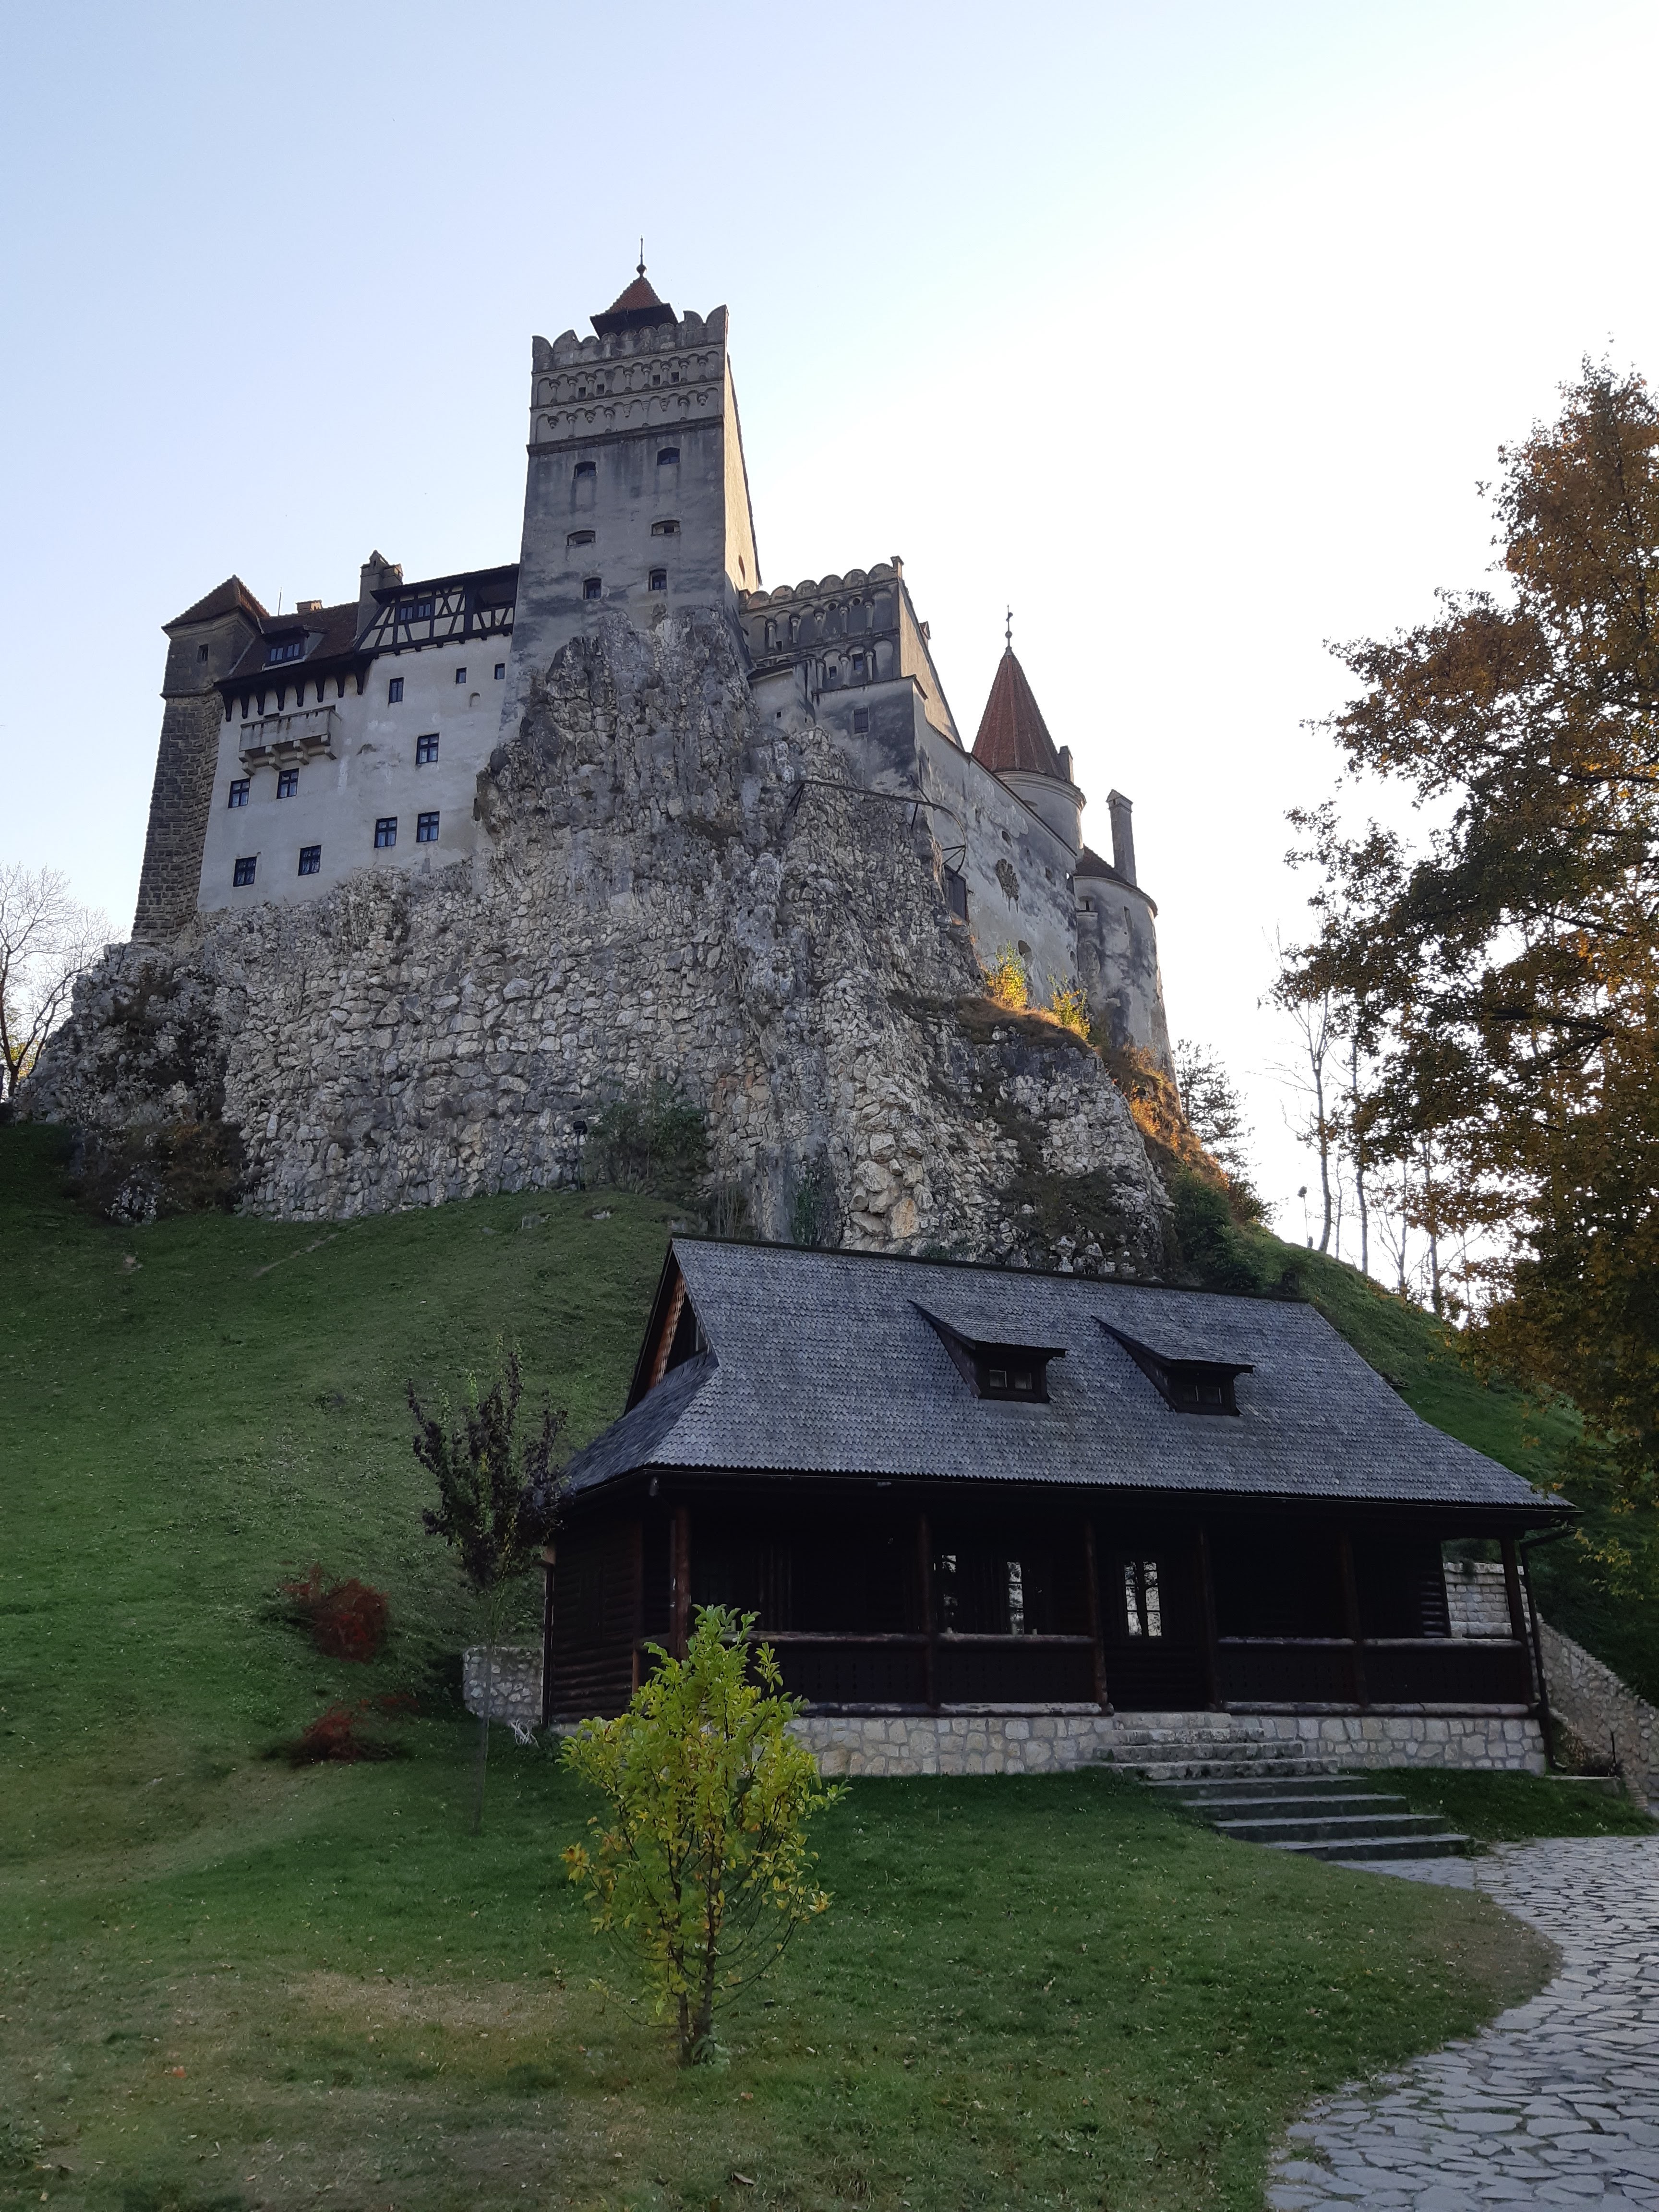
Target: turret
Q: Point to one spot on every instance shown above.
(1014, 742)
(636, 497)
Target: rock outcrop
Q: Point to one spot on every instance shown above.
(671, 892)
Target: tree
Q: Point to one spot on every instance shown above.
(46, 940)
(1315, 1021)
(498, 1505)
(701, 1861)
(1508, 967)
(1215, 1110)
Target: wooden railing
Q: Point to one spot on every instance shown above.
(1370, 1671)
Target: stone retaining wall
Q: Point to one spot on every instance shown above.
(1601, 1711)
(515, 1683)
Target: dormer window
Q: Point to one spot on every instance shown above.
(1184, 1378)
(1019, 1371)
(289, 649)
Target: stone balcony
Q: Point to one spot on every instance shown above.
(279, 739)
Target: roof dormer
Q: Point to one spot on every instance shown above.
(995, 1369)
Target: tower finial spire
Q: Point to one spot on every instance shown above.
(641, 256)
(1008, 631)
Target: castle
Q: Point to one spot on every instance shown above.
(437, 878)
(301, 750)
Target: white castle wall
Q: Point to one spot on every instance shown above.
(369, 771)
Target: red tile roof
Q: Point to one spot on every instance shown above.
(232, 596)
(1012, 733)
(636, 309)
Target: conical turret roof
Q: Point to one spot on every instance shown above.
(635, 309)
(1012, 733)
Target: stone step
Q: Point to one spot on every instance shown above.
(1445, 1846)
(1174, 1766)
(1297, 1801)
(1326, 1827)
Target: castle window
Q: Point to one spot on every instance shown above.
(659, 579)
(394, 691)
(669, 456)
(414, 611)
(584, 485)
(858, 664)
(291, 649)
(593, 588)
(385, 831)
(239, 791)
(956, 894)
(242, 875)
(426, 751)
(201, 652)
(665, 529)
(861, 721)
(771, 635)
(500, 670)
(287, 782)
(460, 676)
(426, 829)
(579, 537)
(311, 859)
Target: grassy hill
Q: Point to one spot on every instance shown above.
(224, 1983)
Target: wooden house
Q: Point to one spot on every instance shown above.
(943, 1486)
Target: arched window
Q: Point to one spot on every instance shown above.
(668, 457)
(579, 537)
(584, 484)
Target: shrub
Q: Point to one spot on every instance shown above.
(701, 1861)
(332, 1737)
(1008, 983)
(658, 1142)
(348, 1619)
(1069, 1005)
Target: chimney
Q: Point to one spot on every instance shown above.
(307, 606)
(1123, 833)
(376, 574)
(1065, 764)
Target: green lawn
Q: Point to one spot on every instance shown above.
(1505, 1809)
(224, 1983)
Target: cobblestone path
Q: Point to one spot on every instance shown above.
(1556, 2103)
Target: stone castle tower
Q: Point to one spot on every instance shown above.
(614, 813)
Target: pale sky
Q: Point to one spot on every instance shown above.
(1187, 329)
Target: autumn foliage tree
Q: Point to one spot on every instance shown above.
(700, 1861)
(1504, 971)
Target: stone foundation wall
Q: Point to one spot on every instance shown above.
(1602, 1712)
(992, 1742)
(1047, 1739)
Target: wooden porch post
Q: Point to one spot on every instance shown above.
(929, 1625)
(1350, 1615)
(548, 1562)
(679, 1582)
(1207, 1603)
(1102, 1695)
(1515, 1565)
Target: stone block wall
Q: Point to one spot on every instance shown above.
(515, 1683)
(1602, 1712)
(1477, 1599)
(1048, 1739)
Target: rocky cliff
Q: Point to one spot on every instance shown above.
(671, 892)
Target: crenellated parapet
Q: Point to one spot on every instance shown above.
(666, 373)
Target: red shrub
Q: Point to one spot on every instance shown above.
(332, 1736)
(348, 1619)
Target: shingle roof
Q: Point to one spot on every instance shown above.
(635, 308)
(231, 597)
(820, 1363)
(332, 630)
(1011, 731)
